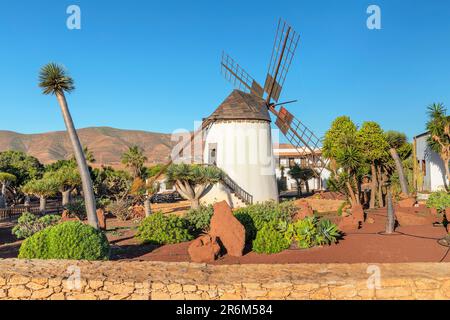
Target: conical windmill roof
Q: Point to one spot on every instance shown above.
(241, 106)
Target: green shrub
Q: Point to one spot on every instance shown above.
(71, 240)
(102, 203)
(439, 200)
(28, 224)
(161, 229)
(77, 208)
(270, 239)
(200, 219)
(311, 232)
(269, 211)
(246, 220)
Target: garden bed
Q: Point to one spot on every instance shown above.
(409, 244)
(366, 245)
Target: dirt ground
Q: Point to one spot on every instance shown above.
(408, 244)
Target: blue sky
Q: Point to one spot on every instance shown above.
(154, 65)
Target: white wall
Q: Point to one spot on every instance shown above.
(245, 153)
(435, 178)
(313, 183)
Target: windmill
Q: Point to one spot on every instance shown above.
(245, 111)
(301, 137)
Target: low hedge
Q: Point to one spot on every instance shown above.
(28, 224)
(271, 238)
(161, 229)
(70, 240)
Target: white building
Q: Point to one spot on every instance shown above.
(240, 143)
(429, 167)
(286, 157)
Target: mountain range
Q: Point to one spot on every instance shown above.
(107, 144)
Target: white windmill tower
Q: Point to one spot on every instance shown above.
(239, 141)
(238, 133)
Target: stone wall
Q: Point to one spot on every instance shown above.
(20, 279)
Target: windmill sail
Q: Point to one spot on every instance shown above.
(239, 77)
(302, 138)
(284, 48)
(285, 45)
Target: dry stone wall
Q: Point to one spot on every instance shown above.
(75, 280)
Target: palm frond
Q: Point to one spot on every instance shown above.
(53, 79)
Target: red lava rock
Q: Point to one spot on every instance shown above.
(348, 223)
(413, 219)
(358, 212)
(101, 219)
(447, 212)
(204, 249)
(304, 210)
(228, 229)
(407, 203)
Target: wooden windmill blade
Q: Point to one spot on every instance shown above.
(301, 137)
(285, 45)
(240, 79)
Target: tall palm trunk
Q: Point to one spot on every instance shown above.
(373, 190)
(351, 193)
(380, 187)
(88, 191)
(447, 170)
(42, 204)
(358, 190)
(401, 173)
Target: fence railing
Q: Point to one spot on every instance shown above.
(14, 212)
(243, 195)
(246, 197)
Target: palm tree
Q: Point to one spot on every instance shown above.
(193, 181)
(300, 175)
(53, 79)
(5, 179)
(396, 140)
(439, 127)
(134, 158)
(350, 159)
(43, 189)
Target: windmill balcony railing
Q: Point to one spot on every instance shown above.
(243, 195)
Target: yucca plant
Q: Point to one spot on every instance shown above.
(193, 181)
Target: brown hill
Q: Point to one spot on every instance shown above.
(107, 144)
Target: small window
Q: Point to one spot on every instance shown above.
(283, 162)
(291, 162)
